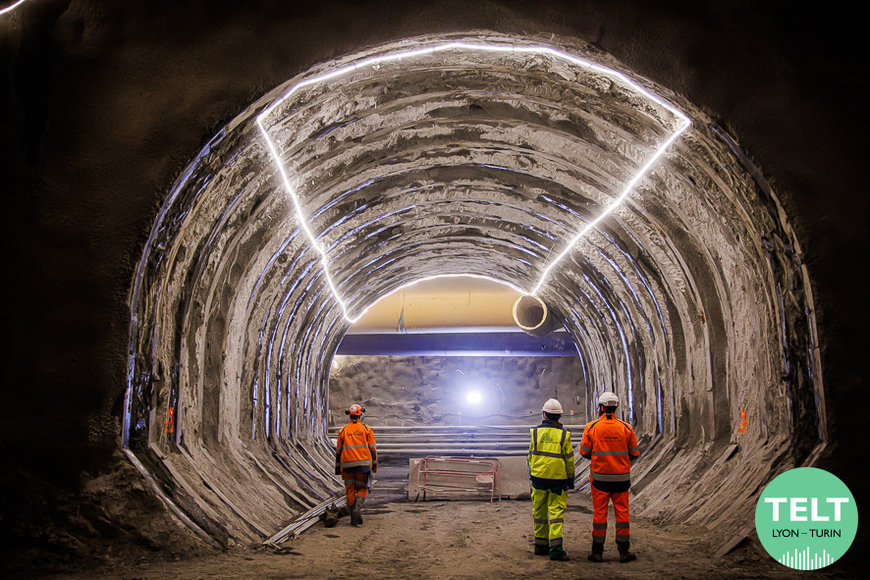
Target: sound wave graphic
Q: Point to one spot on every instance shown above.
(805, 560)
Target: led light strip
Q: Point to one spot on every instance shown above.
(12, 7)
(610, 207)
(542, 50)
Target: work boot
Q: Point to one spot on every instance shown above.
(356, 518)
(595, 557)
(558, 554)
(624, 554)
(542, 550)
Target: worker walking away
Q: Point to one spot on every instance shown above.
(551, 470)
(356, 460)
(611, 445)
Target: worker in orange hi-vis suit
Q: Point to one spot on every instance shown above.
(611, 445)
(356, 459)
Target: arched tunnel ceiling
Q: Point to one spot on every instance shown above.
(390, 97)
(656, 243)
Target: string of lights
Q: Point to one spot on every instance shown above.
(376, 61)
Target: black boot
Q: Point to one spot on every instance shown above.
(624, 554)
(596, 555)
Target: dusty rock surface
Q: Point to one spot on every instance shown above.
(111, 519)
(460, 539)
(407, 390)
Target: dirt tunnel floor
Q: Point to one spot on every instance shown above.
(467, 539)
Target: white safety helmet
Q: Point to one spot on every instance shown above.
(553, 407)
(608, 399)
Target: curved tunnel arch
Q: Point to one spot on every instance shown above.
(464, 163)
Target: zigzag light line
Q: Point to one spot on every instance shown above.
(378, 60)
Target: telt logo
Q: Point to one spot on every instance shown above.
(806, 518)
(797, 508)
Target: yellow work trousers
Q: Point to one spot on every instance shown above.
(548, 509)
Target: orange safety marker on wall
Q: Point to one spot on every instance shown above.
(169, 422)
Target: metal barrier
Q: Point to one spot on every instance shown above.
(445, 475)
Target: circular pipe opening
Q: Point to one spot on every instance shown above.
(532, 315)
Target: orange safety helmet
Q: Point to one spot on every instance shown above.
(355, 410)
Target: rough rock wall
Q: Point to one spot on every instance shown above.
(434, 390)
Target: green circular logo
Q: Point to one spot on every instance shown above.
(806, 518)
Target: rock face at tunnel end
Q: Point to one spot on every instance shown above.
(426, 391)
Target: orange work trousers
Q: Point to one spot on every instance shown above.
(600, 501)
(355, 485)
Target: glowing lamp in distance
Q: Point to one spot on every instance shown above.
(473, 398)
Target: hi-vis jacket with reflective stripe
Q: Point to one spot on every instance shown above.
(355, 448)
(551, 456)
(611, 446)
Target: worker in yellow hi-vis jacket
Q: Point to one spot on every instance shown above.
(551, 470)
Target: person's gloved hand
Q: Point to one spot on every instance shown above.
(337, 470)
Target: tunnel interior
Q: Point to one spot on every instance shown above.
(651, 238)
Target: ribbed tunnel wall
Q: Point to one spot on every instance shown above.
(689, 299)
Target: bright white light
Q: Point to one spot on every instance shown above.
(541, 50)
(12, 7)
(473, 398)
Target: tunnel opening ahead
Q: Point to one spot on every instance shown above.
(657, 245)
(454, 390)
(442, 369)
(448, 350)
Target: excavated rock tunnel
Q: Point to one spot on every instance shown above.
(639, 222)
